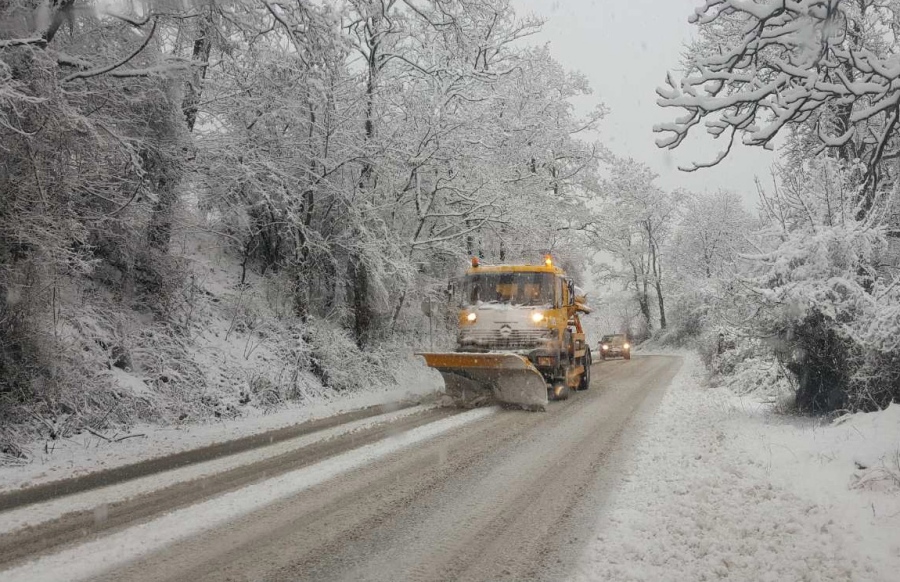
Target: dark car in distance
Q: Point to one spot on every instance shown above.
(615, 346)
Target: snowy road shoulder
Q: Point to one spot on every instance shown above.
(86, 454)
(32, 515)
(721, 490)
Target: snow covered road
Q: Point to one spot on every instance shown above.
(427, 494)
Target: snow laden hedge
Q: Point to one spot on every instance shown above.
(835, 322)
(803, 303)
(829, 322)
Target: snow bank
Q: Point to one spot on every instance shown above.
(32, 515)
(871, 442)
(86, 453)
(723, 489)
(653, 349)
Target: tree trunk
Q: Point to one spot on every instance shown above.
(643, 299)
(303, 269)
(357, 271)
(330, 283)
(62, 12)
(159, 231)
(301, 294)
(362, 313)
(657, 283)
(662, 306)
(644, 303)
(201, 51)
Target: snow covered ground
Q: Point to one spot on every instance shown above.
(32, 515)
(85, 453)
(722, 488)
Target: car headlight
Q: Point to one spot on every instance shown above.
(472, 317)
(604, 347)
(537, 317)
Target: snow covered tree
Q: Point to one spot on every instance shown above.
(632, 222)
(826, 68)
(349, 154)
(710, 234)
(705, 249)
(91, 158)
(819, 280)
(422, 133)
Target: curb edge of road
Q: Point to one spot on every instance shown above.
(25, 496)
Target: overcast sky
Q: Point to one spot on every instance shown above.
(625, 47)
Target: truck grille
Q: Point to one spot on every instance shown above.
(514, 340)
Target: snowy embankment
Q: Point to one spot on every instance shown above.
(722, 488)
(243, 371)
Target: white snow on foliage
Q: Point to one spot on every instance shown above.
(721, 488)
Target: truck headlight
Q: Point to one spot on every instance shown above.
(537, 317)
(604, 347)
(472, 317)
(626, 346)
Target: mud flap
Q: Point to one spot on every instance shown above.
(478, 379)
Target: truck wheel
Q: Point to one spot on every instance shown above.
(585, 381)
(559, 391)
(627, 355)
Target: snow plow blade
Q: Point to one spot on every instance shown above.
(477, 379)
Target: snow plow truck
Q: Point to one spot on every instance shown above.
(520, 340)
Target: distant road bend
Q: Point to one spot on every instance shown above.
(416, 493)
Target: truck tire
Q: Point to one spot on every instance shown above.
(585, 382)
(560, 387)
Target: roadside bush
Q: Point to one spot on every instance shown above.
(820, 360)
(875, 380)
(746, 366)
(688, 320)
(829, 318)
(336, 359)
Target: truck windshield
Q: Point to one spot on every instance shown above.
(508, 288)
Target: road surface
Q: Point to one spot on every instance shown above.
(509, 495)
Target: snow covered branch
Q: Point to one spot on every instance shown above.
(761, 67)
(109, 68)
